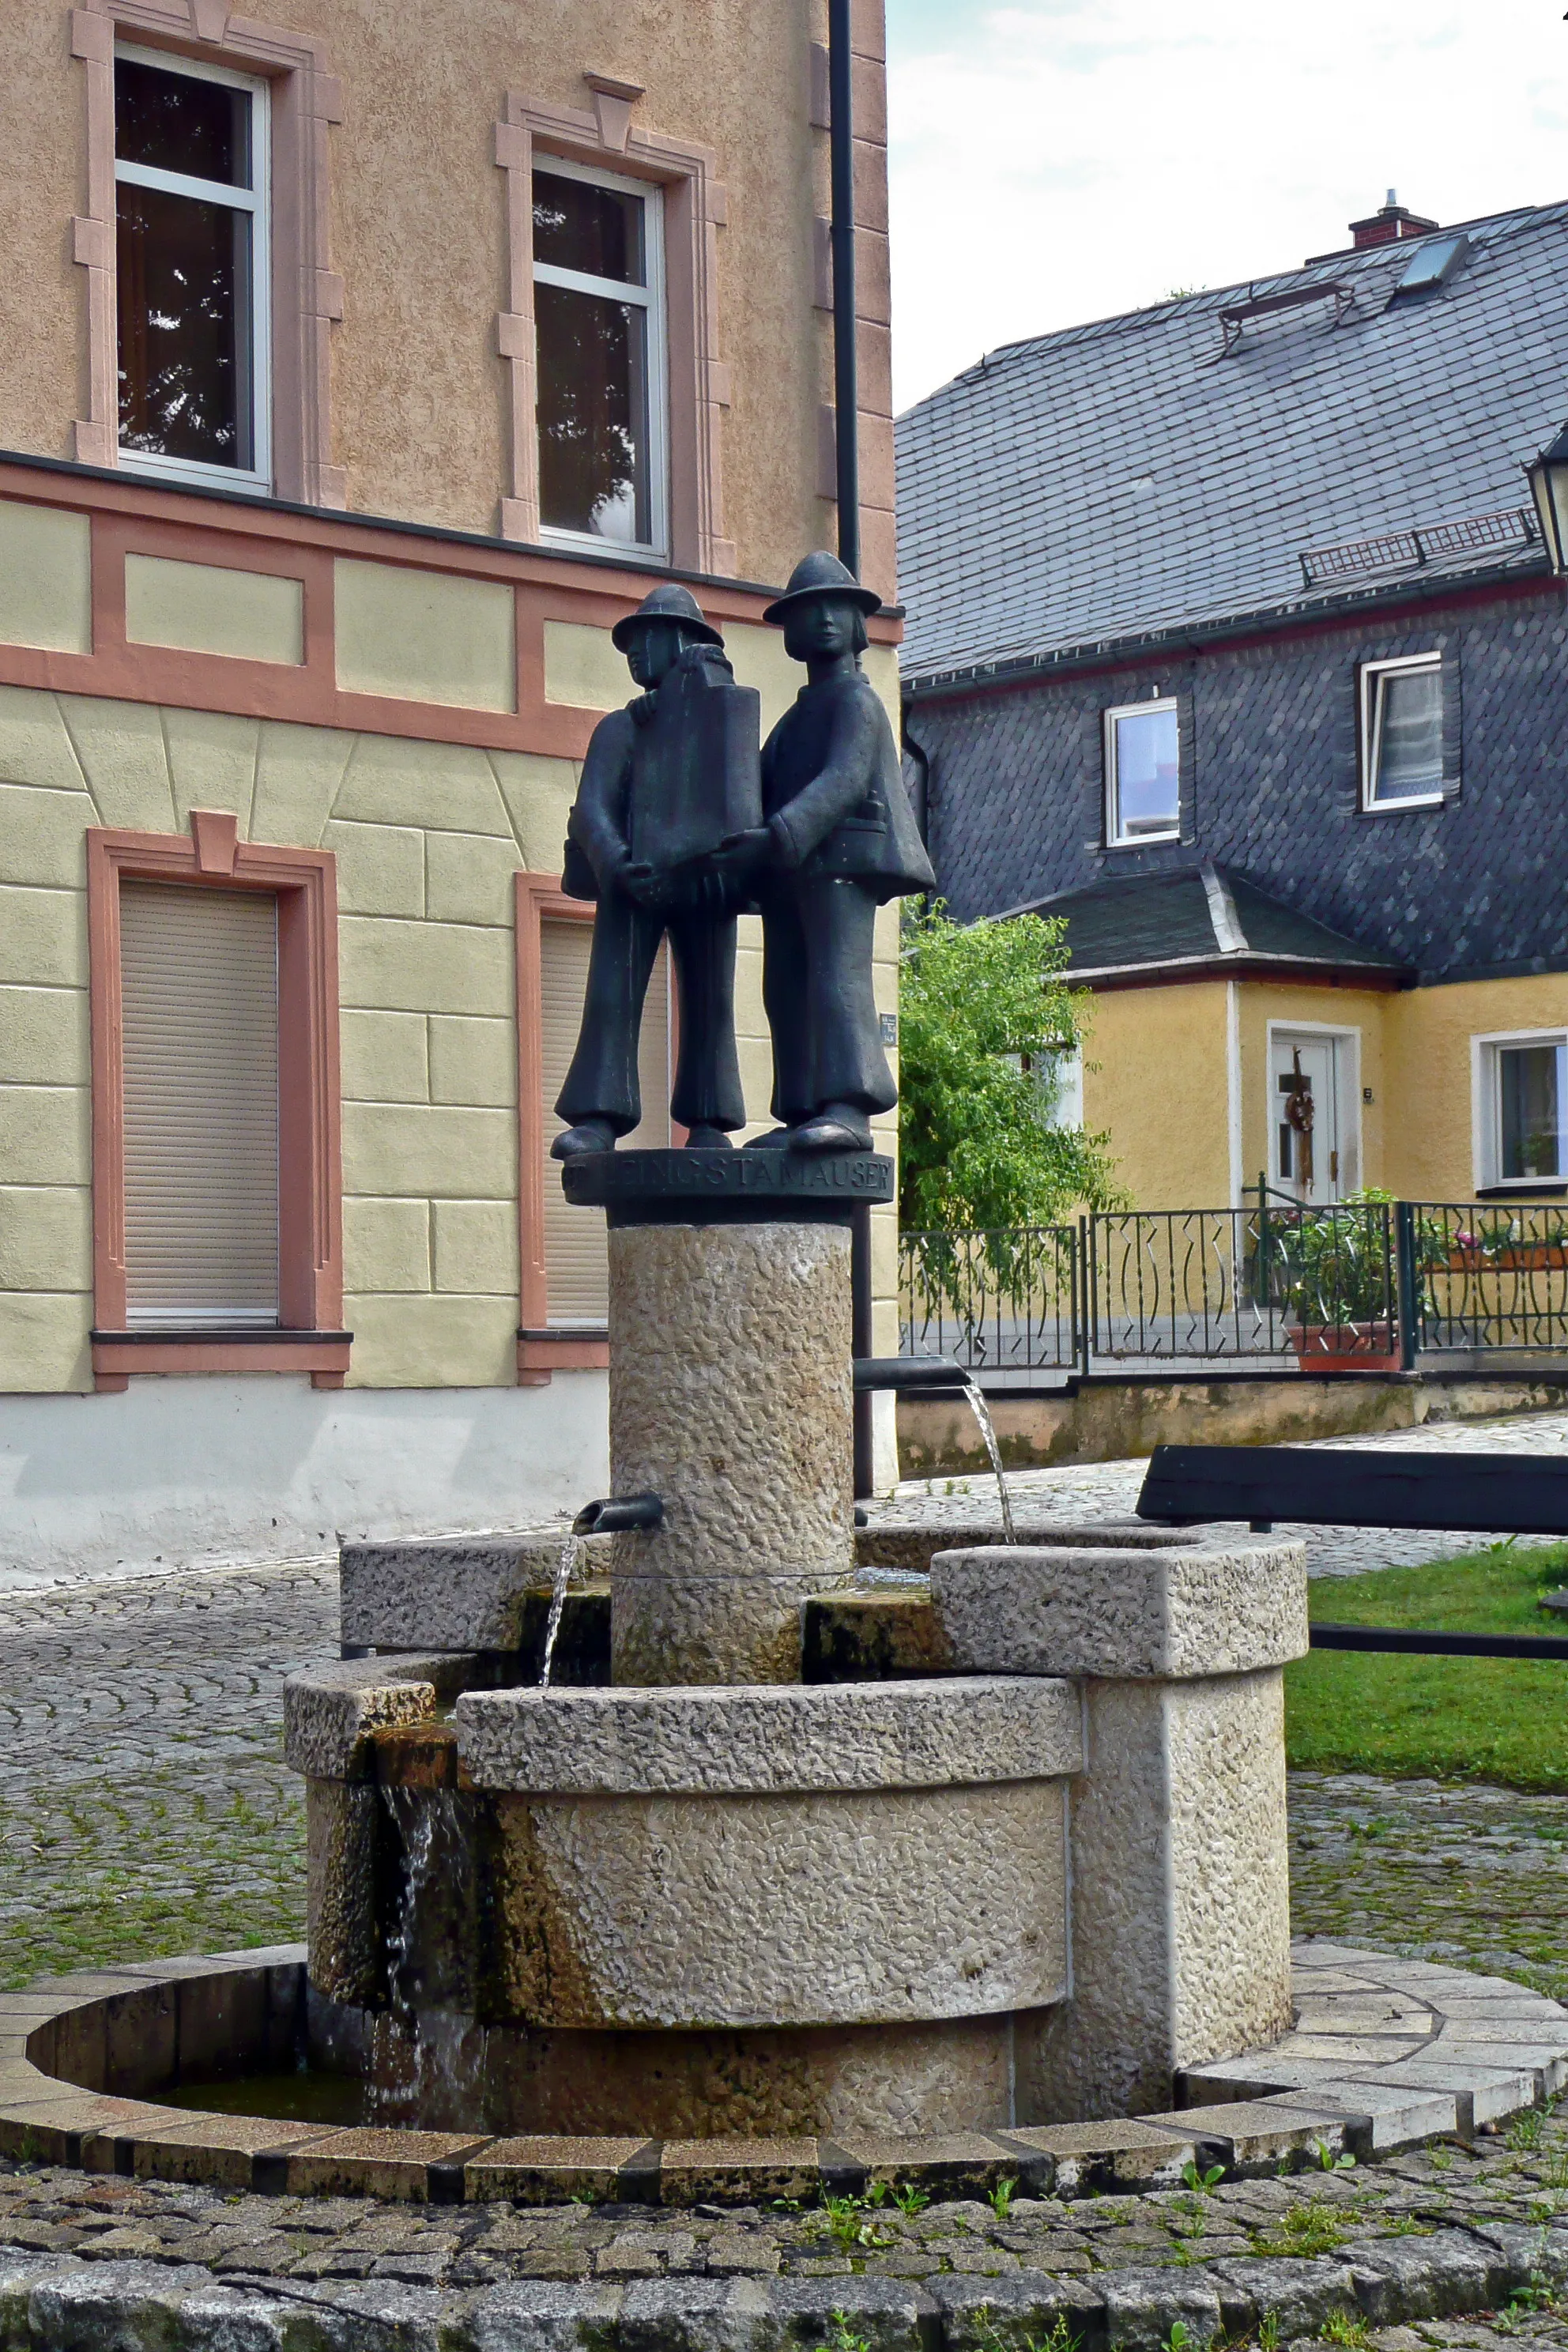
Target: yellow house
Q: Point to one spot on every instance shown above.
(1218, 1015)
(361, 368)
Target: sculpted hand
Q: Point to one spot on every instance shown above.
(642, 883)
(740, 854)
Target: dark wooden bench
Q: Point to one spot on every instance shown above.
(1312, 1485)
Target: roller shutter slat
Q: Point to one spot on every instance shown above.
(576, 1249)
(199, 985)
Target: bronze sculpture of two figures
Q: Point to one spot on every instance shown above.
(681, 823)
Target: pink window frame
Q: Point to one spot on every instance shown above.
(695, 208)
(309, 1146)
(307, 295)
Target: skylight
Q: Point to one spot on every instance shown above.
(1433, 263)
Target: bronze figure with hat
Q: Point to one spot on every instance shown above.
(838, 839)
(665, 781)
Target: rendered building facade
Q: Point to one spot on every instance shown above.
(362, 368)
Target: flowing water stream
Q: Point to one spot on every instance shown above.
(566, 1569)
(425, 2062)
(981, 1411)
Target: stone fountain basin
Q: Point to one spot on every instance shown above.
(756, 1855)
(778, 1854)
(89, 2055)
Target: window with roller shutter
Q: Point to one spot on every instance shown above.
(199, 998)
(216, 1162)
(576, 1249)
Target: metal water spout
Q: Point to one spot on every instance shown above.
(615, 1515)
(925, 1375)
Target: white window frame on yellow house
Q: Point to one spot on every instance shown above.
(1374, 678)
(1115, 833)
(1486, 1102)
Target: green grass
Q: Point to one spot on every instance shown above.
(1498, 1719)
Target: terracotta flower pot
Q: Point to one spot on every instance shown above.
(1345, 1347)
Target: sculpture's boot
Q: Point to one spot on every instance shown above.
(588, 1135)
(837, 1127)
(708, 1138)
(775, 1140)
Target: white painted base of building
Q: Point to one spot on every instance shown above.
(186, 1471)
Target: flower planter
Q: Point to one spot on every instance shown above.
(1530, 1257)
(1345, 1347)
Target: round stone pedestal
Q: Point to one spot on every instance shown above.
(731, 1397)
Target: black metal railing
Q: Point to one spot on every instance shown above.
(1365, 1285)
(1174, 1286)
(1000, 1303)
(1487, 1276)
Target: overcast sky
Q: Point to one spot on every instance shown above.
(1056, 161)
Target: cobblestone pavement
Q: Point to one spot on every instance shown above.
(1391, 2239)
(1475, 1876)
(144, 1807)
(1084, 1489)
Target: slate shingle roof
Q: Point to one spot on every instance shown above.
(1134, 476)
(1207, 920)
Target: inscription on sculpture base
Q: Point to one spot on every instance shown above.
(663, 1188)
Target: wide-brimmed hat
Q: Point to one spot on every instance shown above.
(822, 575)
(672, 603)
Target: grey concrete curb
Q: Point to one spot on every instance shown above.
(67, 2305)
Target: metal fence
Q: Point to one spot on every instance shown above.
(1360, 1286)
(1171, 1287)
(1485, 1276)
(1003, 1305)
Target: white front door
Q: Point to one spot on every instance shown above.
(1304, 1102)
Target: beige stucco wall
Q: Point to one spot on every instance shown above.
(1154, 1076)
(426, 838)
(418, 233)
(1428, 1032)
(207, 608)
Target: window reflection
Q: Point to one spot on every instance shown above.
(592, 405)
(1148, 789)
(176, 123)
(1532, 1103)
(1408, 734)
(189, 305)
(596, 231)
(184, 302)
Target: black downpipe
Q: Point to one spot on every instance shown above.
(847, 465)
(845, 382)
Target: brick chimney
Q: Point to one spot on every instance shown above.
(1387, 227)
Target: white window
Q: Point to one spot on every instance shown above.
(599, 333)
(191, 153)
(1402, 732)
(1522, 1085)
(1142, 773)
(1061, 1080)
(199, 995)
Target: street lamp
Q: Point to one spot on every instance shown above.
(1548, 475)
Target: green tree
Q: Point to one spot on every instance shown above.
(986, 1019)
